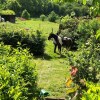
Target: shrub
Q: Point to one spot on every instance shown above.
(86, 28)
(92, 93)
(52, 17)
(18, 77)
(68, 28)
(87, 61)
(79, 31)
(14, 5)
(38, 44)
(34, 41)
(69, 24)
(25, 14)
(42, 17)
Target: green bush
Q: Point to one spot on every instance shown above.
(18, 77)
(31, 40)
(35, 43)
(87, 61)
(14, 5)
(52, 17)
(68, 28)
(92, 93)
(86, 28)
(38, 44)
(78, 30)
(25, 14)
(42, 17)
(69, 24)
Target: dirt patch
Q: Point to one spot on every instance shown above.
(22, 19)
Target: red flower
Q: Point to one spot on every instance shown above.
(74, 71)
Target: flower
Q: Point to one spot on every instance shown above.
(74, 71)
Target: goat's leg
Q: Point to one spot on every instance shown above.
(59, 49)
(55, 46)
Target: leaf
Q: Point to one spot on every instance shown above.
(4, 85)
(68, 82)
(71, 90)
(84, 2)
(98, 34)
(16, 96)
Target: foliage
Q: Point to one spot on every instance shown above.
(13, 5)
(38, 7)
(38, 44)
(28, 39)
(25, 14)
(18, 76)
(93, 4)
(7, 12)
(78, 29)
(86, 28)
(49, 66)
(98, 35)
(68, 28)
(42, 17)
(88, 65)
(78, 8)
(69, 23)
(84, 1)
(92, 93)
(52, 17)
(87, 61)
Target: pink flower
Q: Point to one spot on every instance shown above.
(74, 71)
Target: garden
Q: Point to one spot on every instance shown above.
(30, 70)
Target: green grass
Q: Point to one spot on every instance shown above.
(51, 76)
(52, 72)
(52, 69)
(45, 26)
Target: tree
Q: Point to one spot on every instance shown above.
(94, 2)
(14, 5)
(25, 14)
(52, 17)
(28, 4)
(2, 1)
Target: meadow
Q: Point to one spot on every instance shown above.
(52, 69)
(28, 63)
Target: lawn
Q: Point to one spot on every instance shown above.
(52, 69)
(52, 72)
(35, 24)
